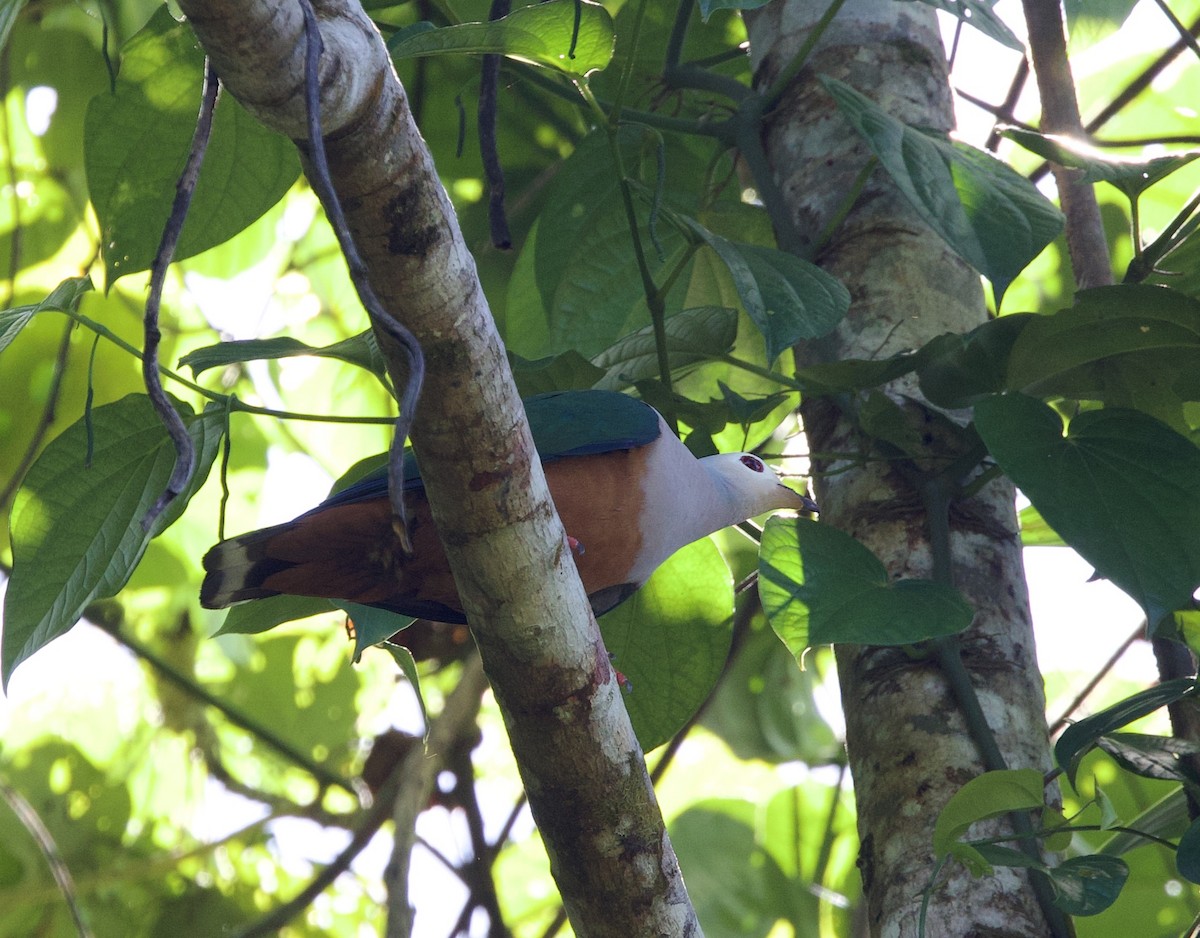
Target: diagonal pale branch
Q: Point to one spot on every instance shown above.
(580, 762)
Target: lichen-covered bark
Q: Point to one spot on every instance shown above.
(580, 762)
(908, 746)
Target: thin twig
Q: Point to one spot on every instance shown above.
(1087, 245)
(1096, 678)
(45, 840)
(416, 775)
(44, 422)
(489, 84)
(185, 448)
(322, 185)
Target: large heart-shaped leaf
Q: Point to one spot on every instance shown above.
(993, 218)
(1126, 345)
(819, 585)
(136, 140)
(671, 640)
(1121, 488)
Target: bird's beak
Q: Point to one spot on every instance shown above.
(804, 503)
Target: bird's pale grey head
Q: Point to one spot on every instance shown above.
(753, 485)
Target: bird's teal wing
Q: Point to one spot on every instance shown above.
(564, 423)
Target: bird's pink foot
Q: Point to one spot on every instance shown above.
(576, 548)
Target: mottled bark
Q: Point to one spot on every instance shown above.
(580, 762)
(908, 744)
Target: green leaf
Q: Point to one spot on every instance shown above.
(373, 626)
(986, 796)
(671, 639)
(540, 34)
(361, 350)
(568, 371)
(1088, 885)
(693, 336)
(1167, 817)
(408, 667)
(577, 284)
(65, 296)
(819, 585)
(790, 300)
(1080, 738)
(1121, 488)
(262, 615)
(1127, 345)
(766, 708)
(1150, 756)
(982, 15)
(739, 887)
(136, 141)
(990, 216)
(77, 529)
(1131, 177)
(857, 374)
(959, 370)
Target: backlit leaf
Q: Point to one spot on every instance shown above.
(819, 585)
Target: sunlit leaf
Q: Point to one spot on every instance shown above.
(137, 139)
(541, 34)
(671, 640)
(819, 585)
(986, 796)
(1131, 177)
(64, 297)
(77, 527)
(990, 216)
(1121, 488)
(361, 350)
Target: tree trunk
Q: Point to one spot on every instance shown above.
(580, 762)
(908, 743)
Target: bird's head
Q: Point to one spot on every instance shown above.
(753, 485)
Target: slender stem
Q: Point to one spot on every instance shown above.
(774, 93)
(48, 846)
(614, 112)
(237, 406)
(1096, 678)
(1184, 34)
(937, 494)
(847, 203)
(45, 422)
(185, 447)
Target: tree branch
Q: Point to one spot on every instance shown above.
(580, 762)
(1086, 243)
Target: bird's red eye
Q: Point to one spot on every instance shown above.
(753, 462)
